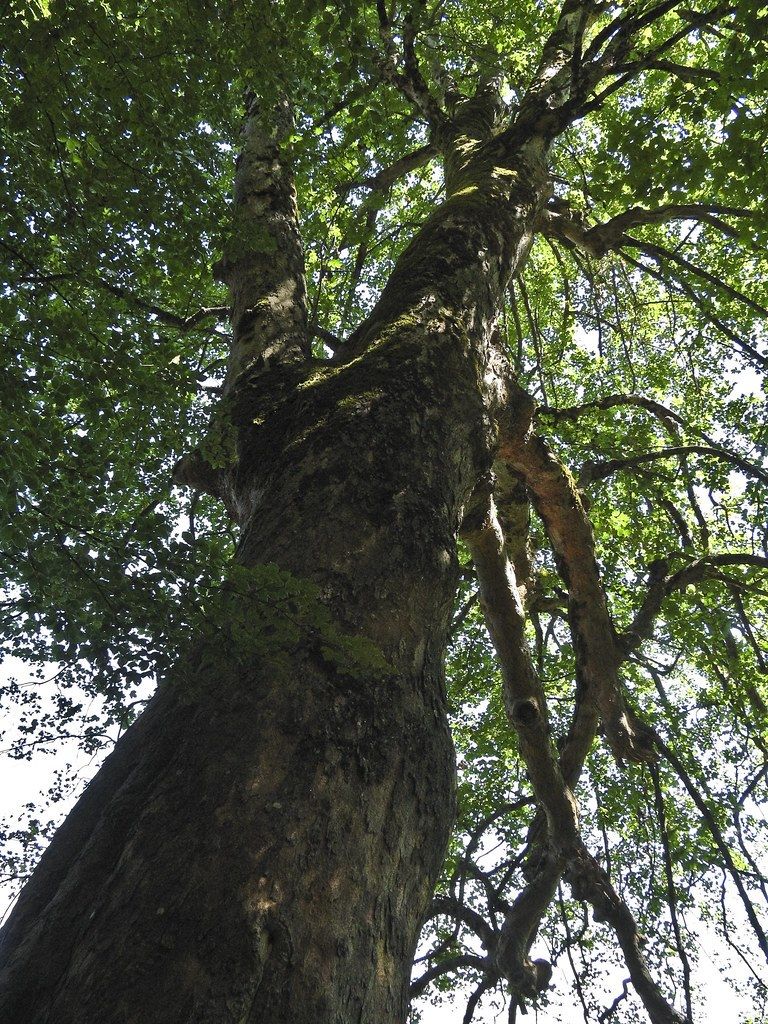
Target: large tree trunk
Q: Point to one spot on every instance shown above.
(262, 845)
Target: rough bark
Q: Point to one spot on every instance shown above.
(263, 844)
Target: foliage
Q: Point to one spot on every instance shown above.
(117, 170)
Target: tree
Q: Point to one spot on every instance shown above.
(480, 375)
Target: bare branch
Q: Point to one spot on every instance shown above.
(526, 708)
(593, 471)
(385, 178)
(411, 83)
(693, 75)
(559, 504)
(667, 416)
(455, 963)
(474, 999)
(333, 341)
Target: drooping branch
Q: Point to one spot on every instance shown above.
(677, 284)
(526, 707)
(717, 837)
(589, 881)
(524, 696)
(661, 255)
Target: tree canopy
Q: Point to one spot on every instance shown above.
(635, 508)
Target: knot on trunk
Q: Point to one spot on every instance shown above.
(631, 740)
(193, 470)
(526, 711)
(527, 978)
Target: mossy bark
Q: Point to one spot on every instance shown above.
(263, 844)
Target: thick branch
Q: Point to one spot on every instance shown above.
(411, 83)
(474, 921)
(559, 504)
(524, 696)
(526, 708)
(547, 99)
(455, 963)
(263, 263)
(589, 881)
(387, 176)
(602, 238)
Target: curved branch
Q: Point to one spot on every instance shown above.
(601, 239)
(591, 472)
(667, 416)
(446, 967)
(446, 905)
(661, 585)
